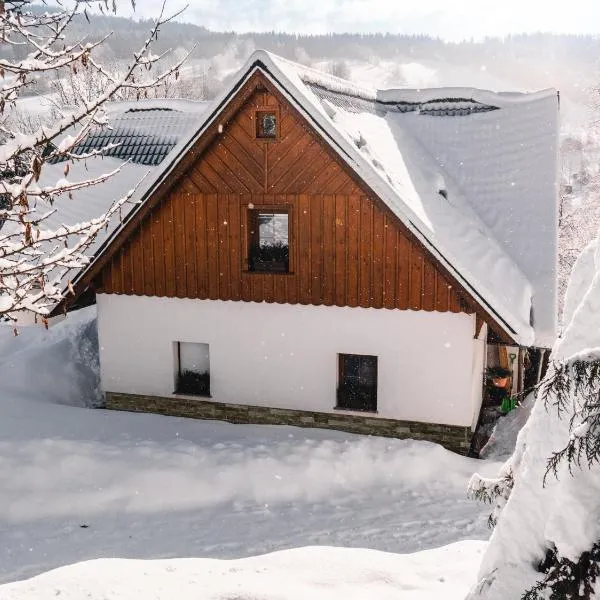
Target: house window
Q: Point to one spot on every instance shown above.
(192, 369)
(269, 249)
(266, 125)
(357, 385)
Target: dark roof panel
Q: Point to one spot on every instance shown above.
(143, 135)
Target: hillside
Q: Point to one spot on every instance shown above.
(515, 63)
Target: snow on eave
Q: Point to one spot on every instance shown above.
(285, 76)
(497, 99)
(176, 104)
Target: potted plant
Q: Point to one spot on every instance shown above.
(192, 382)
(499, 376)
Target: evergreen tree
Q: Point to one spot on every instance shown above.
(546, 541)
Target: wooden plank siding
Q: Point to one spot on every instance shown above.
(346, 249)
(337, 261)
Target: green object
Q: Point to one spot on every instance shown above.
(508, 403)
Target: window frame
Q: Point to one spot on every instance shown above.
(258, 113)
(343, 400)
(252, 234)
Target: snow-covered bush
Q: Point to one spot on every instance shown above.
(546, 541)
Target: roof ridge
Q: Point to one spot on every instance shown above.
(319, 77)
(417, 95)
(435, 106)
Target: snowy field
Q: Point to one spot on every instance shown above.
(78, 484)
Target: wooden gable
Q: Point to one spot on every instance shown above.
(346, 247)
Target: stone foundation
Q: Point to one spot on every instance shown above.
(455, 438)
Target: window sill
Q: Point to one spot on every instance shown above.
(355, 411)
(190, 395)
(284, 273)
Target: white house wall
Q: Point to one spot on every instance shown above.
(286, 356)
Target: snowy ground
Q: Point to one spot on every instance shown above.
(79, 483)
(317, 573)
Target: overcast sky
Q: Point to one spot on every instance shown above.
(450, 19)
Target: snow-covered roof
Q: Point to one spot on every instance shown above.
(144, 131)
(471, 173)
(93, 201)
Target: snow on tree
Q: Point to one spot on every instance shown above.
(35, 260)
(339, 68)
(546, 540)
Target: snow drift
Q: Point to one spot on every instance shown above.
(58, 365)
(503, 440)
(319, 573)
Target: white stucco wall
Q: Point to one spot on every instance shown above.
(285, 356)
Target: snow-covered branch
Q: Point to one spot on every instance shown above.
(35, 259)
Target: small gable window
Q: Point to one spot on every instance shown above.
(269, 247)
(266, 124)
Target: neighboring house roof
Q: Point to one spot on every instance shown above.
(145, 131)
(471, 173)
(154, 128)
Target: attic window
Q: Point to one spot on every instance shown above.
(266, 124)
